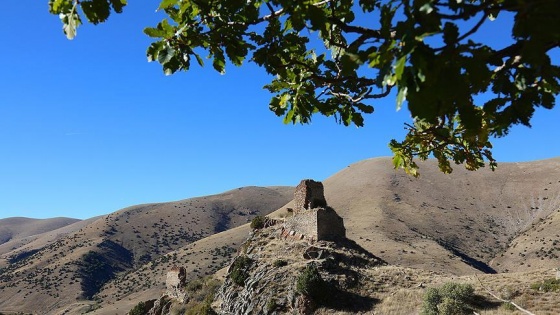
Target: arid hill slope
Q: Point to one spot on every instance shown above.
(83, 261)
(457, 224)
(18, 228)
(437, 222)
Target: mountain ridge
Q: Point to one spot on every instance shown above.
(455, 225)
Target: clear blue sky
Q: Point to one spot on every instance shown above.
(89, 126)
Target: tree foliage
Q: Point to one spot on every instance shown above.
(337, 57)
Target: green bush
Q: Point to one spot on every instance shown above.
(195, 285)
(271, 305)
(548, 285)
(201, 309)
(200, 294)
(239, 270)
(257, 222)
(139, 309)
(279, 263)
(449, 299)
(310, 283)
(508, 306)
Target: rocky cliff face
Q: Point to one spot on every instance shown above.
(269, 275)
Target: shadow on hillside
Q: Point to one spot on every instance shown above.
(367, 260)
(350, 302)
(483, 303)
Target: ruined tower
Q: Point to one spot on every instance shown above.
(313, 219)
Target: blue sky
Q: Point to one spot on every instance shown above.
(89, 126)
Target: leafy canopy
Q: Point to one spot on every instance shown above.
(336, 57)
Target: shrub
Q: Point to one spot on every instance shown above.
(310, 283)
(449, 299)
(508, 306)
(271, 305)
(194, 285)
(257, 222)
(139, 309)
(548, 285)
(239, 270)
(201, 309)
(279, 263)
(508, 293)
(201, 293)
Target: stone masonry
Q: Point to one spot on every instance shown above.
(312, 220)
(309, 194)
(175, 283)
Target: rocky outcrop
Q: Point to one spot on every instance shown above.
(272, 269)
(161, 306)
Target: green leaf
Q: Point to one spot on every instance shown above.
(153, 51)
(171, 66)
(289, 116)
(165, 55)
(219, 62)
(357, 119)
(401, 96)
(118, 5)
(57, 6)
(154, 32)
(199, 60)
(167, 4)
(399, 67)
(398, 161)
(96, 11)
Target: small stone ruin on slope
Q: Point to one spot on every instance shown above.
(175, 283)
(313, 219)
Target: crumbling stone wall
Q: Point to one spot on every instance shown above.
(330, 226)
(314, 224)
(309, 194)
(175, 283)
(313, 219)
(301, 226)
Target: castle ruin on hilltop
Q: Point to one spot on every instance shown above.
(313, 219)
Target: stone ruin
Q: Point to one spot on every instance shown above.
(313, 219)
(309, 194)
(175, 283)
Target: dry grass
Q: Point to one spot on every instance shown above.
(404, 297)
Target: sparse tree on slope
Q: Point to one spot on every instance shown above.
(337, 57)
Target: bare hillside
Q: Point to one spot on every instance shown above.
(453, 223)
(17, 227)
(29, 244)
(458, 224)
(83, 261)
